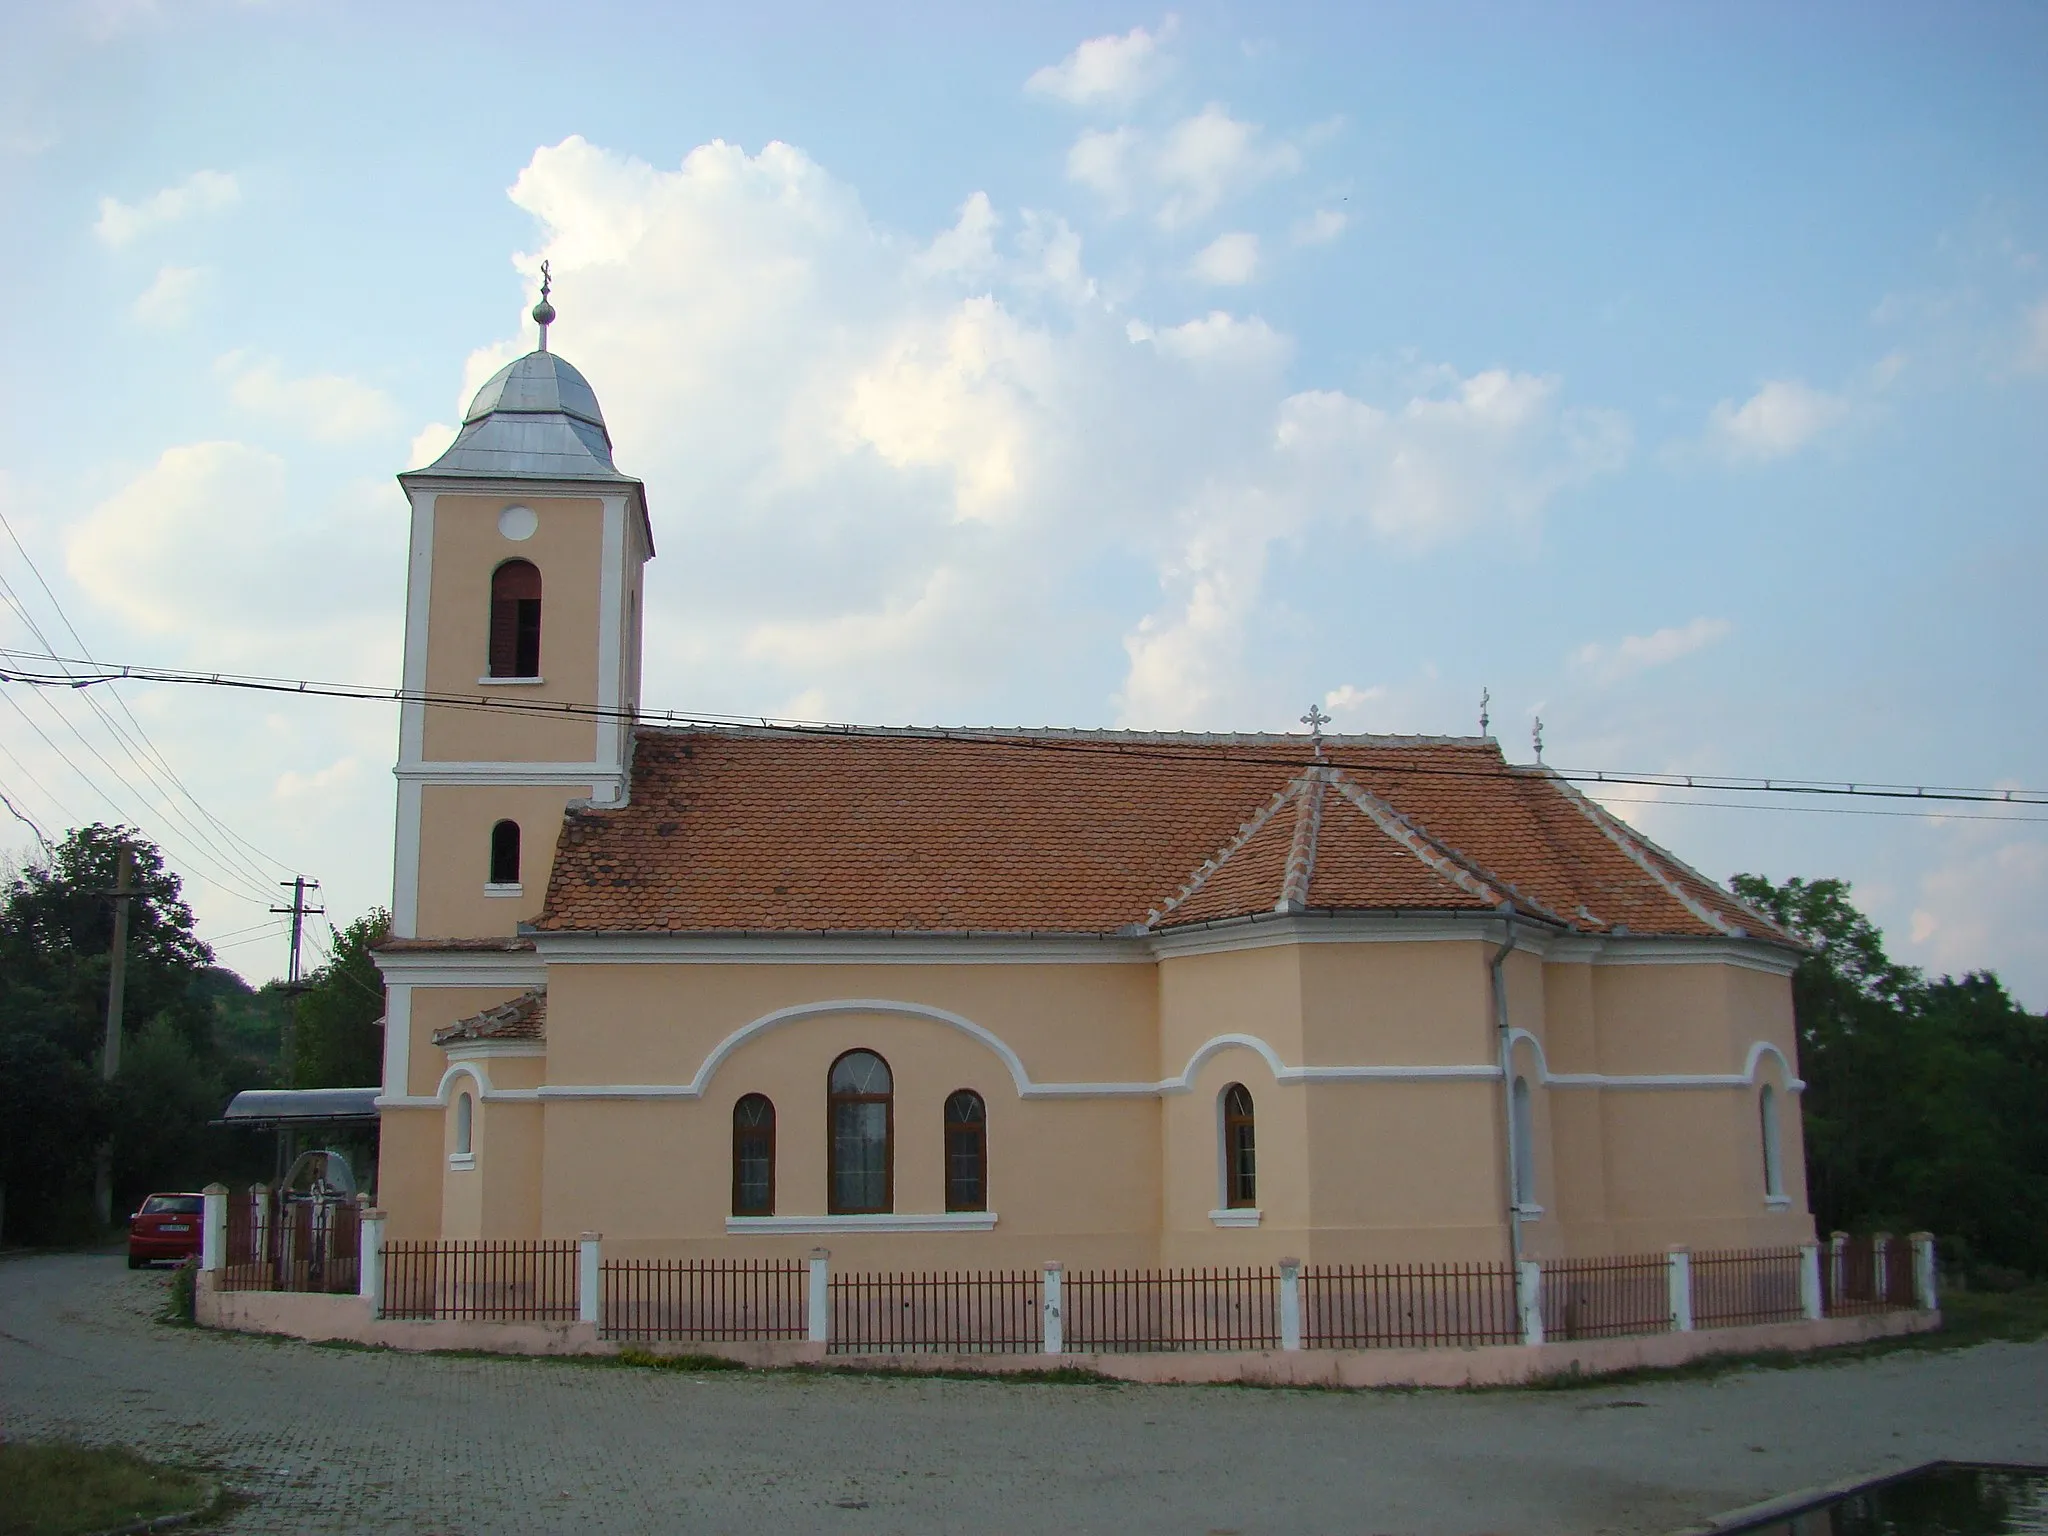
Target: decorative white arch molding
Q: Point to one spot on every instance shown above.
(1747, 1077)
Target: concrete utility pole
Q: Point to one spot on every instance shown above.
(110, 1052)
(293, 985)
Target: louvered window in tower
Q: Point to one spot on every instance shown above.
(515, 619)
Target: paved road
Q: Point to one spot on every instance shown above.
(330, 1440)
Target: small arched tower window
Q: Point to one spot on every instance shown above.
(753, 1156)
(515, 619)
(465, 1125)
(862, 1095)
(966, 1152)
(1240, 1150)
(1524, 1130)
(1774, 1166)
(505, 853)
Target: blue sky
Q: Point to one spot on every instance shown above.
(1679, 373)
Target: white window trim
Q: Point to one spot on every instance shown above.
(510, 682)
(1528, 1212)
(1243, 1216)
(877, 1221)
(1778, 1202)
(461, 1161)
(494, 889)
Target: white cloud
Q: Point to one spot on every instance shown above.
(1228, 260)
(1980, 901)
(1321, 227)
(2034, 338)
(968, 248)
(1185, 173)
(1639, 653)
(324, 406)
(201, 192)
(429, 444)
(1115, 70)
(167, 302)
(1779, 419)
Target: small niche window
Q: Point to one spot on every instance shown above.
(966, 1152)
(1524, 1142)
(465, 1125)
(515, 619)
(753, 1156)
(505, 853)
(863, 1103)
(1774, 1168)
(1240, 1150)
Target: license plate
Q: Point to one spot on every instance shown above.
(174, 1226)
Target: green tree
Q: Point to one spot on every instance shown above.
(336, 1038)
(1923, 1100)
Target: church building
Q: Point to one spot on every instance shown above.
(979, 998)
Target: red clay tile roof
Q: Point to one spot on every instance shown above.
(440, 946)
(1099, 832)
(525, 1017)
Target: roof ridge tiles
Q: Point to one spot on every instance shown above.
(1246, 831)
(1627, 840)
(1301, 853)
(834, 731)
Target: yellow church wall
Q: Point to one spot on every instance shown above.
(1576, 1218)
(1419, 1004)
(435, 1008)
(410, 1162)
(1404, 1171)
(455, 855)
(568, 549)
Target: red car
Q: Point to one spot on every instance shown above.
(167, 1227)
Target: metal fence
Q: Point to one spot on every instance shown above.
(981, 1312)
(1119, 1311)
(1734, 1286)
(1605, 1298)
(281, 1244)
(724, 1299)
(1854, 1279)
(500, 1281)
(1383, 1306)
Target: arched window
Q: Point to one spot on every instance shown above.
(515, 619)
(863, 1104)
(753, 1156)
(505, 853)
(465, 1127)
(1240, 1150)
(966, 1152)
(1524, 1129)
(1774, 1170)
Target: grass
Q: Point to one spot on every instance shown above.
(61, 1489)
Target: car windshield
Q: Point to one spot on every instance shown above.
(173, 1205)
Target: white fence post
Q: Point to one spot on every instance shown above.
(819, 1299)
(1681, 1288)
(1879, 1242)
(370, 1271)
(590, 1277)
(1810, 1301)
(1838, 1264)
(1290, 1303)
(259, 1223)
(213, 1231)
(1055, 1326)
(1925, 1293)
(1529, 1299)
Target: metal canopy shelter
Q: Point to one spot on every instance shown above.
(274, 1109)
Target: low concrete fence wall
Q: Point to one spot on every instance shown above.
(350, 1318)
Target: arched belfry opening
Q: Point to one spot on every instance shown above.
(515, 619)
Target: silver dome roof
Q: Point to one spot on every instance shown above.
(535, 417)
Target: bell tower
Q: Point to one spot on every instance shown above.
(522, 647)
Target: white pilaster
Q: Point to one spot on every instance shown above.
(397, 1037)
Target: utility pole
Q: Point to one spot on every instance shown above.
(293, 985)
(110, 1052)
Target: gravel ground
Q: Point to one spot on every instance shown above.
(333, 1440)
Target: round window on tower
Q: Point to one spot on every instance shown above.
(518, 523)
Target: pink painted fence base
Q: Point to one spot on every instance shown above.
(349, 1318)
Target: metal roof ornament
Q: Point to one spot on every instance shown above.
(1536, 735)
(1315, 720)
(1485, 698)
(544, 312)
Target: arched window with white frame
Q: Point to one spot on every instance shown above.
(1774, 1162)
(1240, 1149)
(465, 1125)
(1523, 1126)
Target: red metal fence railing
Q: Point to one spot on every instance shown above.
(1117, 1311)
(276, 1244)
(1604, 1298)
(1746, 1285)
(725, 1299)
(500, 1281)
(1380, 1306)
(1853, 1279)
(986, 1312)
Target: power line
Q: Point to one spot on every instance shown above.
(1817, 810)
(1075, 741)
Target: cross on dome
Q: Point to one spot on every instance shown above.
(1315, 720)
